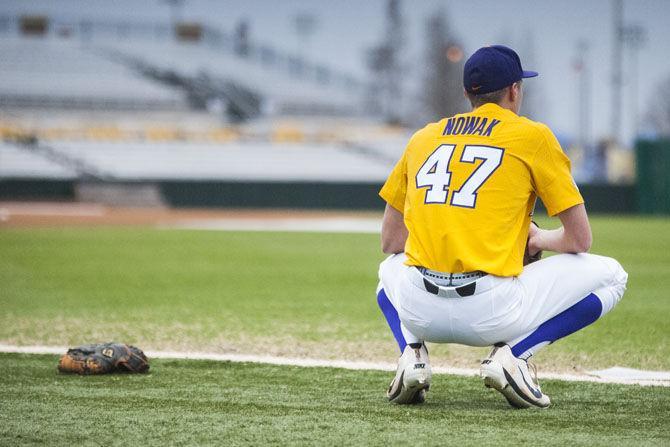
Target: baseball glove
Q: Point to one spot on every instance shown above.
(103, 358)
(527, 258)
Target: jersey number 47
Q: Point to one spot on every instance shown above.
(435, 175)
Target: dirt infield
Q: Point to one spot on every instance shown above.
(60, 214)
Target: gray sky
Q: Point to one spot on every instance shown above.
(348, 27)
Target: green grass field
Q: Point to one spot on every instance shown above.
(282, 294)
(292, 294)
(220, 403)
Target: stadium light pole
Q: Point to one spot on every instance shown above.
(634, 37)
(616, 68)
(176, 10)
(305, 25)
(584, 96)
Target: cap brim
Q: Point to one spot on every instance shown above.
(529, 74)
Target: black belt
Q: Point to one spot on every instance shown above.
(465, 290)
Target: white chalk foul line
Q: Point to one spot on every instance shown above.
(616, 375)
(318, 225)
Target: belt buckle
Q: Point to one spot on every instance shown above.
(462, 291)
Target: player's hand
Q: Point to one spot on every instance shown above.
(534, 239)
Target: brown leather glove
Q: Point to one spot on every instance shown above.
(527, 258)
(103, 358)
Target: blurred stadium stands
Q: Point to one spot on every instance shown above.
(228, 77)
(154, 66)
(133, 102)
(63, 74)
(17, 162)
(203, 116)
(239, 161)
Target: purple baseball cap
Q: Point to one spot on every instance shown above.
(492, 68)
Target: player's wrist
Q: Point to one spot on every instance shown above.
(542, 239)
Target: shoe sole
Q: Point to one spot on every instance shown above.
(494, 379)
(411, 391)
(518, 392)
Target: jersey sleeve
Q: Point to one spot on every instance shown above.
(395, 188)
(551, 175)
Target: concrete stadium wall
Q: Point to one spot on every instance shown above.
(305, 195)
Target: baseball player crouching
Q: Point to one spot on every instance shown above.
(457, 221)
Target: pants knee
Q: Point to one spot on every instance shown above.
(619, 278)
(612, 293)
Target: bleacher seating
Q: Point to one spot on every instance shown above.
(59, 72)
(68, 72)
(17, 162)
(235, 161)
(281, 91)
(108, 74)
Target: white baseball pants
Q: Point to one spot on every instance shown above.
(550, 299)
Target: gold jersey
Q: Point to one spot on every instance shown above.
(467, 187)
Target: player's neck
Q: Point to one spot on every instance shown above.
(510, 105)
(504, 105)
